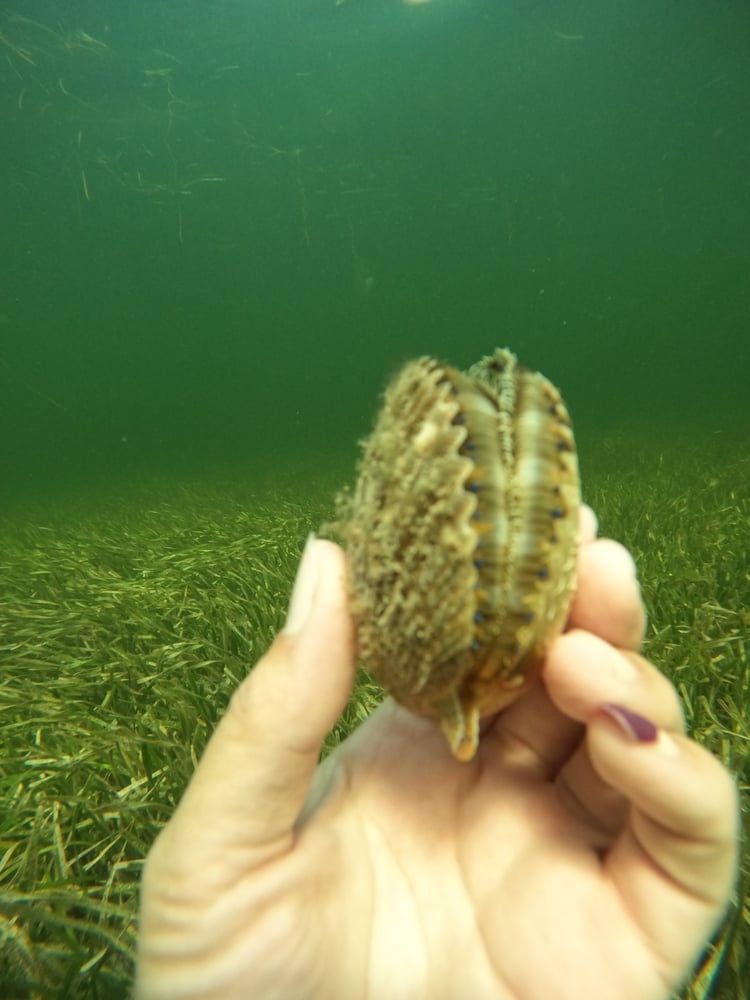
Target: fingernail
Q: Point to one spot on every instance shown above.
(636, 727)
(303, 593)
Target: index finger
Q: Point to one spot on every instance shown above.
(675, 863)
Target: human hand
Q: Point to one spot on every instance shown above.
(567, 859)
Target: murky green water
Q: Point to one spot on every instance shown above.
(224, 225)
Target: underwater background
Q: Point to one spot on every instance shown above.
(223, 227)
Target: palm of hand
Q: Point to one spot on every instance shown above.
(418, 876)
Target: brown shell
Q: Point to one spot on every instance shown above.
(462, 538)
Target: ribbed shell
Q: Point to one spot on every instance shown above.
(462, 538)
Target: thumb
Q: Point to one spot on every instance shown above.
(675, 862)
(252, 780)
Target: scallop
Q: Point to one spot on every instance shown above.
(461, 535)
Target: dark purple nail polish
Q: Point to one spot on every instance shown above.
(636, 727)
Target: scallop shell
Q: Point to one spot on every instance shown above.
(461, 536)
